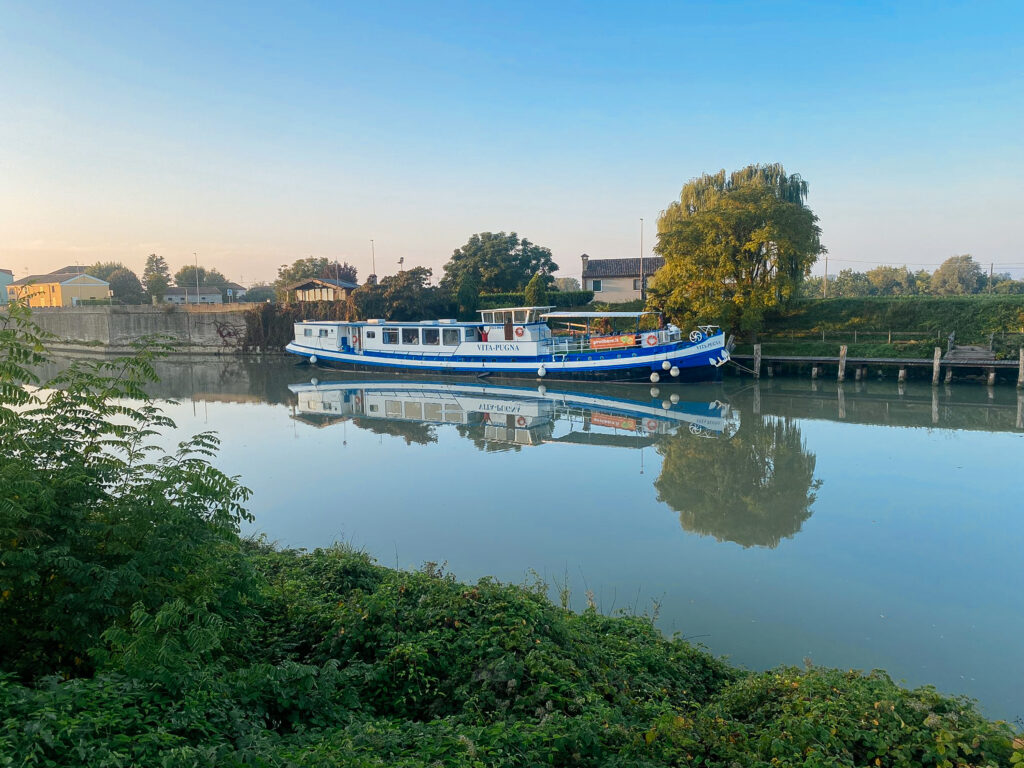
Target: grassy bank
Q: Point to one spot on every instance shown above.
(139, 628)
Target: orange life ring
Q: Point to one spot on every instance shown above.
(519, 330)
(651, 340)
(651, 425)
(355, 341)
(521, 421)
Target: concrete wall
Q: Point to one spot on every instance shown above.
(211, 329)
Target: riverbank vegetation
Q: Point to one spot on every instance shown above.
(140, 628)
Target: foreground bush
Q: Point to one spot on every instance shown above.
(139, 629)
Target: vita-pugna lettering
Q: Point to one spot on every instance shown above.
(517, 342)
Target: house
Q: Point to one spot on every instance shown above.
(203, 295)
(234, 292)
(6, 278)
(617, 280)
(67, 287)
(321, 289)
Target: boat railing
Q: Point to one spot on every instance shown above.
(568, 345)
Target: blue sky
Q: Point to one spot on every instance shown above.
(254, 134)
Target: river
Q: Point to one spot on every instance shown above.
(794, 521)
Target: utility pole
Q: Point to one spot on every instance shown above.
(643, 280)
(196, 257)
(824, 285)
(991, 266)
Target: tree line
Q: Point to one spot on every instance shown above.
(956, 276)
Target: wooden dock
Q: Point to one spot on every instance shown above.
(959, 359)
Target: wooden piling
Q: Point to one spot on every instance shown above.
(842, 363)
(901, 377)
(935, 366)
(1020, 410)
(771, 371)
(757, 361)
(1020, 370)
(990, 377)
(935, 405)
(814, 371)
(949, 375)
(841, 401)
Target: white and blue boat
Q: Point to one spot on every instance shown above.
(517, 342)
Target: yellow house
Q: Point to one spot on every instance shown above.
(67, 287)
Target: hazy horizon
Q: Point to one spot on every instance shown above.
(254, 136)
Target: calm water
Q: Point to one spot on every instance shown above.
(862, 528)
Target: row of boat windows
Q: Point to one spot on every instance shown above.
(449, 337)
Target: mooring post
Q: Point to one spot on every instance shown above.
(935, 366)
(1020, 410)
(757, 361)
(757, 398)
(902, 376)
(1020, 370)
(935, 405)
(990, 379)
(949, 375)
(841, 398)
(814, 371)
(842, 363)
(771, 370)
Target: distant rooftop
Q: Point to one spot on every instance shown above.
(55, 277)
(176, 291)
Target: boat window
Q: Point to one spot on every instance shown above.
(410, 335)
(487, 317)
(393, 408)
(307, 331)
(520, 316)
(371, 334)
(471, 334)
(390, 336)
(451, 337)
(431, 336)
(323, 332)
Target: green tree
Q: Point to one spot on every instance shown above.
(958, 275)
(567, 284)
(891, 281)
(93, 519)
(126, 287)
(735, 247)
(208, 278)
(156, 276)
(754, 488)
(849, 284)
(536, 294)
(260, 292)
(405, 296)
(502, 262)
(314, 266)
(467, 299)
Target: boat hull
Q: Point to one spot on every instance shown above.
(694, 362)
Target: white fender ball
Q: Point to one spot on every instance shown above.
(665, 365)
(674, 371)
(542, 372)
(655, 391)
(666, 404)
(655, 378)
(542, 390)
(314, 381)
(674, 398)
(312, 359)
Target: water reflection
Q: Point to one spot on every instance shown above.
(755, 489)
(499, 417)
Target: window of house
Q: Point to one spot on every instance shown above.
(431, 336)
(595, 286)
(390, 336)
(451, 337)
(636, 283)
(410, 335)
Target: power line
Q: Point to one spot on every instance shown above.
(915, 263)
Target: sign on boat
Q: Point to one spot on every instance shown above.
(517, 342)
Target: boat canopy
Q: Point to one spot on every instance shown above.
(566, 315)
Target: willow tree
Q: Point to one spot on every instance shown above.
(735, 247)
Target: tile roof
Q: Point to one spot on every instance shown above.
(53, 277)
(180, 291)
(622, 267)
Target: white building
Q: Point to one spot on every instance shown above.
(617, 280)
(6, 278)
(203, 295)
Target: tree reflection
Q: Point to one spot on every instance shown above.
(413, 432)
(754, 489)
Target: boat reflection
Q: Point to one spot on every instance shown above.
(498, 417)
